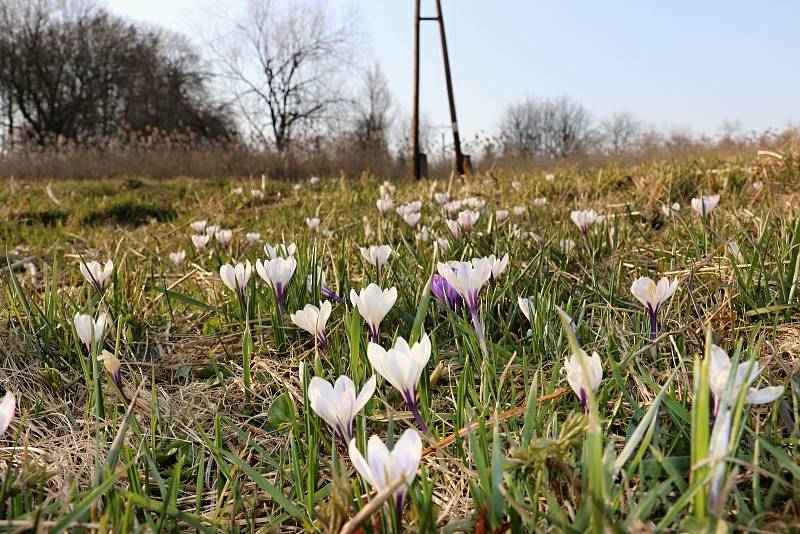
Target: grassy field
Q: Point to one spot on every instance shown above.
(210, 425)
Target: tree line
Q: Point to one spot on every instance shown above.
(279, 78)
(71, 72)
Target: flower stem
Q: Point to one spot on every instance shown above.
(653, 325)
(476, 322)
(323, 342)
(418, 416)
(373, 333)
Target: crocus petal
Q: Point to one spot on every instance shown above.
(361, 465)
(764, 395)
(406, 456)
(378, 458)
(320, 398)
(7, 406)
(365, 394)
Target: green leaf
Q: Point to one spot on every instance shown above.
(276, 494)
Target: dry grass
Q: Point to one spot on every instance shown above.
(168, 347)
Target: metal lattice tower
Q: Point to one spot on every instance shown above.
(420, 160)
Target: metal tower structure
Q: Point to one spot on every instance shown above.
(419, 159)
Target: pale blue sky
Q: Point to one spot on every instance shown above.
(677, 63)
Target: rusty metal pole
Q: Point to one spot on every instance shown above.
(415, 111)
(450, 97)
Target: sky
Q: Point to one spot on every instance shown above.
(676, 64)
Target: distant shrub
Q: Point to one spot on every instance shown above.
(49, 217)
(127, 211)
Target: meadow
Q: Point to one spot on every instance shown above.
(523, 376)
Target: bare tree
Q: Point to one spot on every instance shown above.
(554, 129)
(622, 133)
(372, 112)
(69, 70)
(522, 128)
(285, 63)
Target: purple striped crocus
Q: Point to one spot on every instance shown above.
(276, 273)
(467, 278)
(112, 366)
(373, 304)
(653, 295)
(338, 403)
(402, 367)
(324, 290)
(445, 293)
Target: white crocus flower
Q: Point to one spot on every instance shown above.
(7, 406)
(382, 469)
(501, 215)
(90, 331)
(444, 244)
(280, 250)
(276, 273)
(402, 367)
(722, 442)
(177, 257)
(253, 237)
(583, 219)
(199, 226)
(412, 218)
(425, 234)
(236, 277)
(387, 188)
(498, 265)
(211, 229)
(652, 296)
(384, 205)
(668, 210)
(338, 404)
(735, 251)
(33, 271)
(467, 219)
(373, 304)
(453, 206)
(97, 274)
(527, 307)
(519, 211)
(719, 369)
(474, 203)
(454, 227)
(112, 366)
(200, 241)
(442, 198)
(566, 245)
(467, 277)
(224, 237)
(313, 223)
(704, 205)
(580, 383)
(377, 255)
(550, 177)
(541, 201)
(313, 320)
